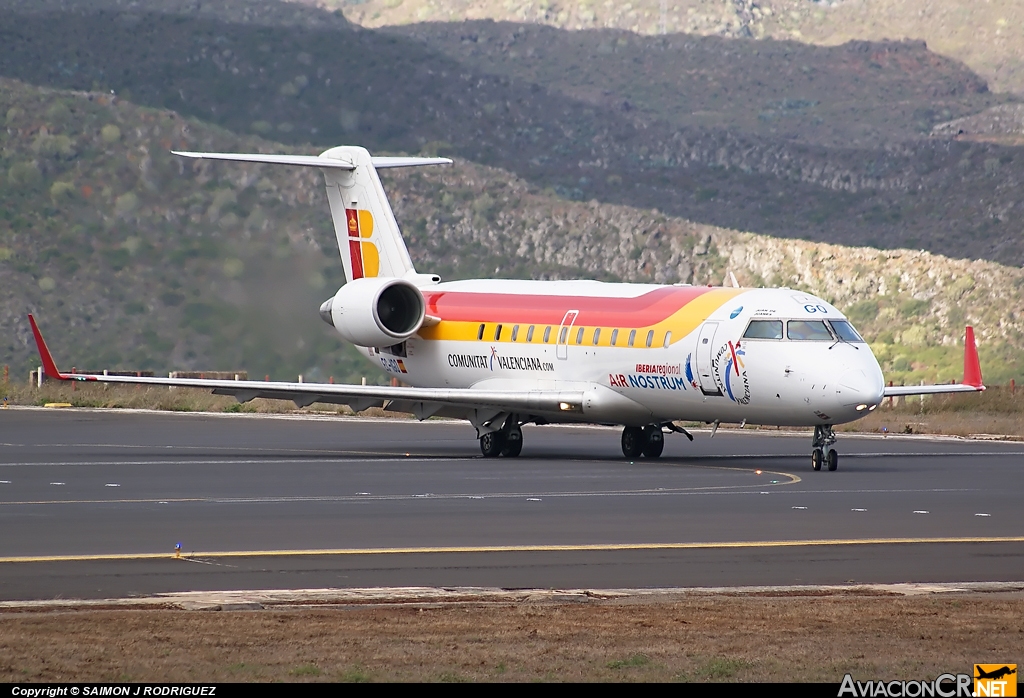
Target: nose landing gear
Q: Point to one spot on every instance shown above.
(824, 436)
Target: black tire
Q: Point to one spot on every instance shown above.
(654, 442)
(833, 460)
(632, 442)
(816, 458)
(513, 444)
(492, 444)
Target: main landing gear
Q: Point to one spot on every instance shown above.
(824, 437)
(649, 441)
(507, 442)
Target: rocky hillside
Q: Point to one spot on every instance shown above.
(133, 258)
(713, 146)
(985, 35)
(1003, 124)
(857, 94)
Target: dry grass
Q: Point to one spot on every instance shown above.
(698, 639)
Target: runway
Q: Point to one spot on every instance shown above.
(92, 504)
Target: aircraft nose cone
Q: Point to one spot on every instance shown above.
(860, 387)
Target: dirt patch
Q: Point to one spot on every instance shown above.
(703, 638)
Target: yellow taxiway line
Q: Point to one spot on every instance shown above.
(596, 547)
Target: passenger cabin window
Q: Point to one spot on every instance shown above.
(597, 335)
(529, 334)
(515, 332)
(764, 329)
(547, 334)
(668, 339)
(579, 336)
(480, 333)
(497, 333)
(615, 337)
(650, 338)
(562, 335)
(632, 337)
(845, 331)
(808, 330)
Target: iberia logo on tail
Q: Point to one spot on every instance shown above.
(363, 253)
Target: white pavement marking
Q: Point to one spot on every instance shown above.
(920, 512)
(983, 514)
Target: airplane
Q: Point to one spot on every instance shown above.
(503, 353)
(994, 674)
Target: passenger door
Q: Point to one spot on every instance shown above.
(705, 347)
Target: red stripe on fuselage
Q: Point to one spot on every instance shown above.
(640, 311)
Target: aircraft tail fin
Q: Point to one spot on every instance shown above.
(369, 239)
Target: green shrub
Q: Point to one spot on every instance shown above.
(110, 134)
(24, 175)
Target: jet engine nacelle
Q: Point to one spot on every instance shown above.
(375, 312)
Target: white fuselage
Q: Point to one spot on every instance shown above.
(688, 358)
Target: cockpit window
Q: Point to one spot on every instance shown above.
(812, 330)
(845, 331)
(764, 329)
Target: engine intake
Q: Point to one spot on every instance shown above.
(375, 312)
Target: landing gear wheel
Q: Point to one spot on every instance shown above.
(654, 442)
(513, 443)
(492, 444)
(824, 436)
(833, 460)
(632, 442)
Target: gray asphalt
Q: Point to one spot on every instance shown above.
(76, 483)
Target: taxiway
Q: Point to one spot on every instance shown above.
(93, 503)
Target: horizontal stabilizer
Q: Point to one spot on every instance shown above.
(314, 160)
(385, 162)
(300, 160)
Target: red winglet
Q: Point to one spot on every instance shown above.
(972, 366)
(49, 367)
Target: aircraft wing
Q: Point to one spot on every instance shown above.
(970, 384)
(422, 402)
